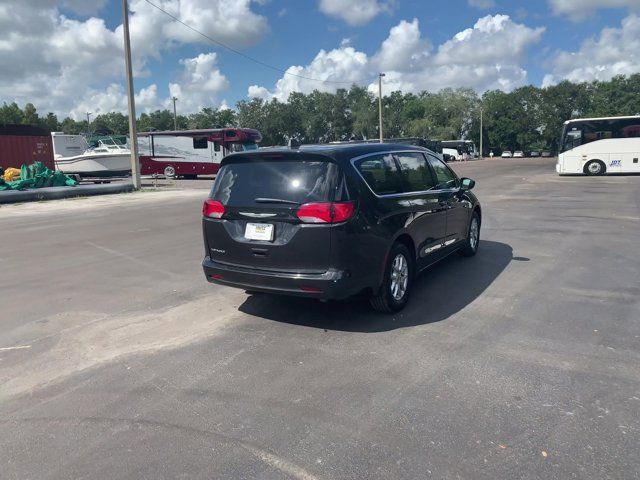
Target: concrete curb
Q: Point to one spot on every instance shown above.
(55, 193)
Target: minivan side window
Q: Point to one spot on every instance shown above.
(444, 176)
(415, 171)
(381, 174)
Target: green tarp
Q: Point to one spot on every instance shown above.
(37, 175)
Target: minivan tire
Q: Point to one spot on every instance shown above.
(399, 271)
(470, 245)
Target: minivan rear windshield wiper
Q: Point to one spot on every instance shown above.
(275, 200)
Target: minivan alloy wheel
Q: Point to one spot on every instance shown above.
(471, 243)
(474, 233)
(399, 276)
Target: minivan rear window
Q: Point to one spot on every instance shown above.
(239, 184)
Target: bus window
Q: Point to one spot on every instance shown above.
(573, 139)
(216, 147)
(200, 143)
(631, 131)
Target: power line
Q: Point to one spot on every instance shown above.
(250, 58)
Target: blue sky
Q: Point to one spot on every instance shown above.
(505, 44)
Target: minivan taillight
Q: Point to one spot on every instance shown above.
(212, 208)
(326, 212)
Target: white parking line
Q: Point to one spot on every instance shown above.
(19, 347)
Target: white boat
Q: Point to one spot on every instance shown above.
(73, 155)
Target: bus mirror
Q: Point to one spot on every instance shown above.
(468, 184)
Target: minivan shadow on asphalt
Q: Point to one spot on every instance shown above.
(438, 293)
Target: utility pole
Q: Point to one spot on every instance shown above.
(88, 122)
(133, 133)
(380, 106)
(175, 116)
(481, 136)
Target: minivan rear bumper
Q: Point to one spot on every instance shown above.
(330, 285)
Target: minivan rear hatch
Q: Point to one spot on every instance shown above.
(272, 212)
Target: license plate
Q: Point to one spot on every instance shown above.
(259, 231)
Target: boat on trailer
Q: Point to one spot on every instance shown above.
(73, 155)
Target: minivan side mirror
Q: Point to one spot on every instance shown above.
(467, 183)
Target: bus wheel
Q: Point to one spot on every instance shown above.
(595, 167)
(169, 171)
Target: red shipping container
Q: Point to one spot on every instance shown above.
(25, 144)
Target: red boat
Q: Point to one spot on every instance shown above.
(189, 153)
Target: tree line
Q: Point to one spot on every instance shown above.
(528, 118)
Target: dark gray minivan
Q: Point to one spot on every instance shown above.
(333, 221)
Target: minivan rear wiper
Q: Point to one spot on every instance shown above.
(275, 200)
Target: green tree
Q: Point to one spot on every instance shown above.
(619, 96)
(70, 126)
(364, 113)
(560, 103)
(114, 122)
(251, 113)
(30, 115)
(51, 122)
(11, 114)
(393, 115)
(210, 118)
(500, 120)
(158, 120)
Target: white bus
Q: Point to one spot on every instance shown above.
(595, 146)
(460, 148)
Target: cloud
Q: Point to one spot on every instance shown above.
(200, 84)
(486, 56)
(57, 62)
(81, 7)
(230, 22)
(616, 51)
(491, 39)
(403, 49)
(152, 31)
(482, 4)
(50, 60)
(579, 10)
(113, 99)
(344, 64)
(354, 12)
(255, 91)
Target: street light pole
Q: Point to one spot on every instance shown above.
(380, 106)
(175, 116)
(481, 136)
(88, 122)
(133, 133)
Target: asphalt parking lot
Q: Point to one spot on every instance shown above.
(118, 360)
